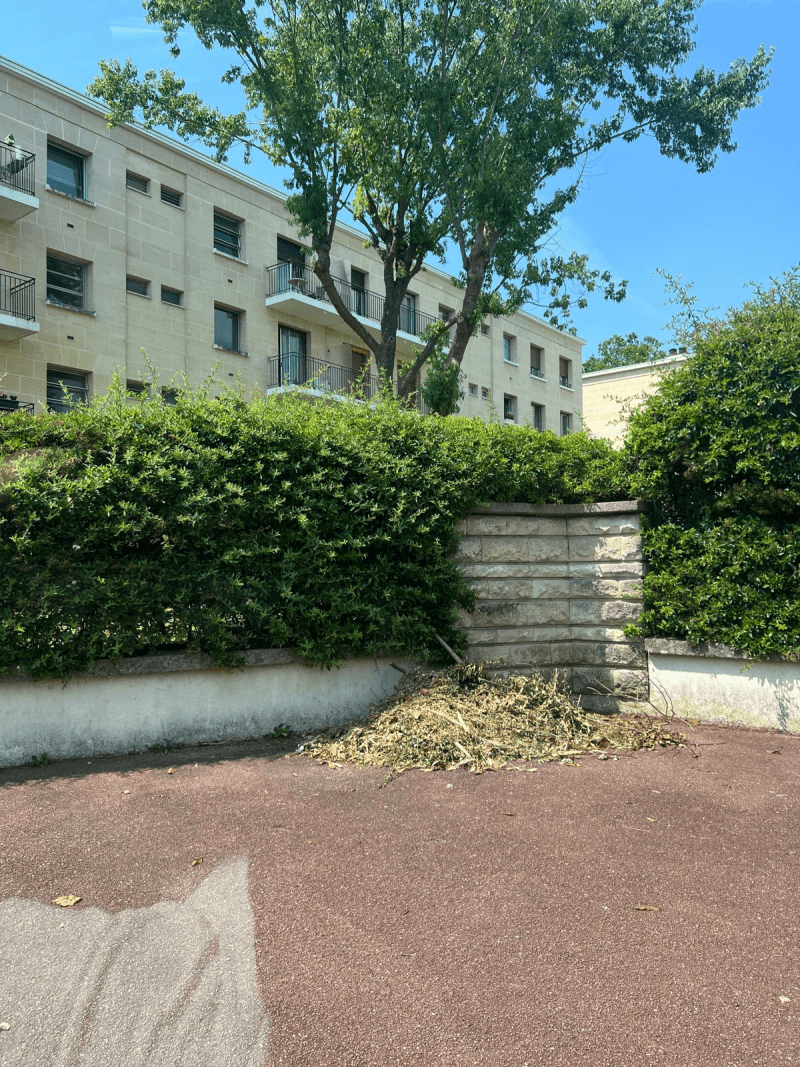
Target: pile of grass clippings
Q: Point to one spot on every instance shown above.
(461, 717)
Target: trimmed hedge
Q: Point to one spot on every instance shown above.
(128, 527)
(718, 447)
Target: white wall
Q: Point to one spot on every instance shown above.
(137, 703)
(713, 683)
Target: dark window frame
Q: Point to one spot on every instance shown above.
(66, 295)
(76, 190)
(227, 235)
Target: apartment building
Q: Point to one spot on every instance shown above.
(609, 396)
(116, 243)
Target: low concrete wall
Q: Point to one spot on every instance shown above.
(714, 683)
(131, 704)
(555, 585)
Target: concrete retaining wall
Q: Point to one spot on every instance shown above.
(131, 704)
(555, 586)
(714, 683)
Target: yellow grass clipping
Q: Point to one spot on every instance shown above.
(463, 717)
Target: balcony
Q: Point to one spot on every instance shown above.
(296, 284)
(564, 380)
(17, 183)
(17, 306)
(295, 369)
(9, 402)
(537, 372)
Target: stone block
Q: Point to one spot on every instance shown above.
(603, 526)
(515, 525)
(530, 526)
(514, 570)
(602, 653)
(596, 633)
(593, 588)
(604, 681)
(605, 549)
(526, 613)
(469, 549)
(617, 571)
(524, 549)
(631, 588)
(603, 611)
(502, 589)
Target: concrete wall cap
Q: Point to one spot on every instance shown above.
(167, 663)
(607, 508)
(663, 646)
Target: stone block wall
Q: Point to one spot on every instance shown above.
(555, 585)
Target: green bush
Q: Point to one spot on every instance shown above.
(216, 525)
(718, 448)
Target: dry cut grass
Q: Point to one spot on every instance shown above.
(462, 717)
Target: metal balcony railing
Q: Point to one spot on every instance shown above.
(537, 372)
(17, 169)
(17, 295)
(9, 402)
(294, 368)
(563, 380)
(301, 279)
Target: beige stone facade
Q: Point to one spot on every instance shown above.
(119, 242)
(609, 396)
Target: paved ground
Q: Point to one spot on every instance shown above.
(444, 920)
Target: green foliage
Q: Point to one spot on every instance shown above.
(435, 122)
(443, 388)
(129, 527)
(619, 351)
(719, 447)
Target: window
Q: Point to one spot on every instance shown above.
(171, 296)
(407, 319)
(66, 283)
(137, 286)
(358, 285)
(138, 388)
(169, 396)
(66, 388)
(473, 389)
(137, 183)
(565, 372)
(226, 328)
(537, 362)
(485, 329)
(66, 172)
(510, 408)
(227, 235)
(537, 411)
(171, 197)
(292, 368)
(566, 423)
(509, 348)
(445, 314)
(484, 393)
(291, 267)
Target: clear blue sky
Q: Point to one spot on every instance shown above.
(637, 211)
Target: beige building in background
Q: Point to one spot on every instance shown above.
(609, 396)
(119, 242)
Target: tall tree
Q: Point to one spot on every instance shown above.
(619, 351)
(436, 120)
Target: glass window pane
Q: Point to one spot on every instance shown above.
(226, 329)
(226, 234)
(65, 282)
(65, 389)
(65, 171)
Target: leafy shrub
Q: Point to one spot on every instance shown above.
(129, 526)
(719, 448)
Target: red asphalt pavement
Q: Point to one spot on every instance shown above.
(447, 919)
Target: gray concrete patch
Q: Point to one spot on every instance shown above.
(165, 986)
